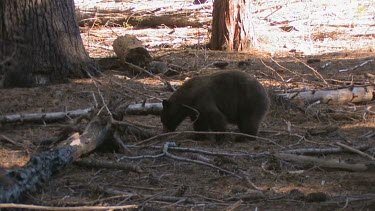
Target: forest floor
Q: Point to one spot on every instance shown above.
(258, 180)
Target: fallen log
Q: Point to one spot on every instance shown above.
(46, 117)
(144, 108)
(339, 96)
(324, 163)
(41, 167)
(182, 18)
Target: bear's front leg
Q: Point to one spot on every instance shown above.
(201, 125)
(249, 124)
(217, 123)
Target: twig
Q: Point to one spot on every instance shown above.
(121, 143)
(126, 87)
(100, 94)
(273, 70)
(355, 150)
(200, 151)
(316, 73)
(141, 157)
(167, 154)
(325, 163)
(147, 72)
(319, 151)
(357, 66)
(207, 132)
(234, 206)
(5, 138)
(36, 207)
(284, 68)
(165, 151)
(137, 124)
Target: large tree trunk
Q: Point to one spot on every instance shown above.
(40, 43)
(231, 26)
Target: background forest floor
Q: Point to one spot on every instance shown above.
(284, 59)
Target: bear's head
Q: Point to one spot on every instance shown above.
(173, 114)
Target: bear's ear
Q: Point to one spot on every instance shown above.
(166, 103)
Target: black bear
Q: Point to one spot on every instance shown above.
(211, 101)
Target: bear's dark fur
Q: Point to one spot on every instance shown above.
(212, 101)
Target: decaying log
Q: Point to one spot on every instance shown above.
(182, 18)
(146, 108)
(338, 96)
(49, 208)
(130, 49)
(47, 117)
(41, 167)
(324, 163)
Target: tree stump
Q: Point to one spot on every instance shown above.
(130, 49)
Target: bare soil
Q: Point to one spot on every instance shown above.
(191, 186)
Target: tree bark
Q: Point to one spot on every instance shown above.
(40, 43)
(231, 26)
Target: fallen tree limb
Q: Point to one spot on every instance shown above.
(324, 163)
(46, 117)
(144, 108)
(36, 207)
(352, 94)
(355, 150)
(181, 18)
(323, 151)
(41, 167)
(337, 201)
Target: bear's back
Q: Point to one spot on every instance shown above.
(230, 91)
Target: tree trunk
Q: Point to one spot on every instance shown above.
(40, 43)
(231, 26)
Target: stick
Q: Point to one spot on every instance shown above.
(36, 207)
(165, 151)
(355, 150)
(52, 116)
(206, 132)
(333, 163)
(234, 206)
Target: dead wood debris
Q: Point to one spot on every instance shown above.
(41, 167)
(338, 96)
(36, 207)
(45, 117)
(135, 196)
(324, 163)
(108, 164)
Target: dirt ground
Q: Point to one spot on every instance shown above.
(257, 180)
